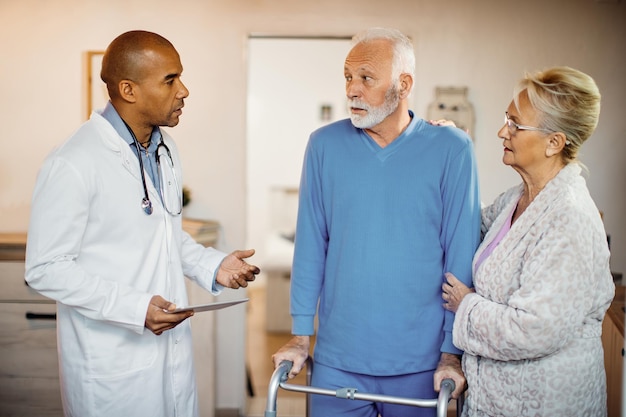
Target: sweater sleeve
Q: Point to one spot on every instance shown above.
(311, 242)
(461, 227)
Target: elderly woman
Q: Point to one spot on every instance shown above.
(531, 330)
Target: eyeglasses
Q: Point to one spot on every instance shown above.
(514, 127)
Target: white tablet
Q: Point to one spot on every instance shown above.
(209, 306)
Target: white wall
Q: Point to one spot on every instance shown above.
(483, 44)
(289, 80)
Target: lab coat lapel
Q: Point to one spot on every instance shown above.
(128, 158)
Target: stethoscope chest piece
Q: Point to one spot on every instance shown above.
(146, 205)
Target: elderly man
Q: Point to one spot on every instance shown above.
(388, 204)
(106, 242)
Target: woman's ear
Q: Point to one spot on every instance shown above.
(556, 143)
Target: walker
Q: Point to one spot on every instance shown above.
(279, 378)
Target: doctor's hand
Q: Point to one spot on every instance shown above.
(234, 272)
(158, 321)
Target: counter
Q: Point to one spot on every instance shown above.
(12, 246)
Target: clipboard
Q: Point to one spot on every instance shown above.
(210, 306)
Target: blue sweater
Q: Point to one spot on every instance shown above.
(377, 228)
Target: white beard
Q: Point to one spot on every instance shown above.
(374, 115)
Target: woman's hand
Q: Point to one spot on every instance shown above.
(445, 122)
(453, 292)
(442, 122)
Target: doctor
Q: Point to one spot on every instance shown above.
(106, 242)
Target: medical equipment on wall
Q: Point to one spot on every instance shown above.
(451, 103)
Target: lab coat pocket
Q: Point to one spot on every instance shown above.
(127, 395)
(116, 351)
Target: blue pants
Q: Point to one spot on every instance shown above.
(419, 385)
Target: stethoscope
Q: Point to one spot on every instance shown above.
(146, 204)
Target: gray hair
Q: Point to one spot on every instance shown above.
(403, 53)
(567, 100)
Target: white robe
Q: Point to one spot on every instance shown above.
(531, 332)
(92, 248)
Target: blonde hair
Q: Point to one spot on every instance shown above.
(567, 100)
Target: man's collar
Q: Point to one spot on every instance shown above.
(113, 117)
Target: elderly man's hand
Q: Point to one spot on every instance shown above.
(295, 350)
(449, 367)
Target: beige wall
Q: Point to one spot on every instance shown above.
(483, 44)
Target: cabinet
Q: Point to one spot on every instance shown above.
(29, 371)
(613, 343)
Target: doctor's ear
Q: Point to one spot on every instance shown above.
(126, 89)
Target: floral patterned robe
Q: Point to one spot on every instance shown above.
(531, 332)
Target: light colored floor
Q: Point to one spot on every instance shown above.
(260, 347)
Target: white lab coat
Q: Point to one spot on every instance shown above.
(92, 248)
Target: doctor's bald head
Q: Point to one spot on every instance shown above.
(129, 57)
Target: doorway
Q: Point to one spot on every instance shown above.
(295, 85)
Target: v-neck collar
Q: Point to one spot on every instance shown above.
(383, 153)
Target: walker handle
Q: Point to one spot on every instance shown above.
(445, 392)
